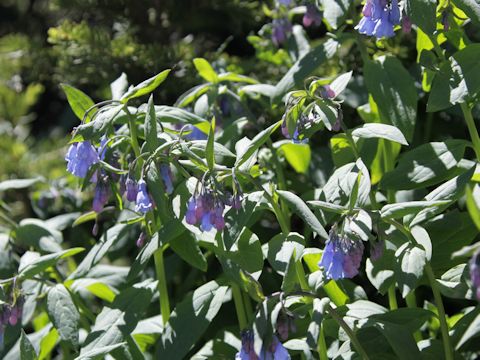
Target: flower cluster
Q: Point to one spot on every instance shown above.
(143, 202)
(341, 257)
(379, 18)
(206, 210)
(275, 351)
(80, 157)
(475, 273)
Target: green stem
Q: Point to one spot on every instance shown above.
(133, 132)
(322, 345)
(392, 298)
(447, 346)
(248, 307)
(162, 285)
(472, 129)
(349, 332)
(302, 278)
(239, 307)
(411, 300)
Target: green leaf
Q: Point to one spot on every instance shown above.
(340, 83)
(63, 313)
(335, 11)
(398, 210)
(41, 263)
(471, 8)
(450, 191)
(473, 203)
(472, 331)
(257, 141)
(177, 115)
(457, 81)
(167, 232)
(423, 14)
(304, 67)
(298, 156)
(337, 209)
(79, 102)
(192, 94)
(189, 320)
(187, 248)
(302, 210)
(27, 351)
(393, 89)
(281, 248)
(47, 344)
(232, 77)
(209, 151)
(411, 262)
(145, 87)
(151, 138)
(89, 216)
(382, 131)
(426, 165)
(107, 116)
(400, 339)
(18, 184)
(205, 70)
(247, 252)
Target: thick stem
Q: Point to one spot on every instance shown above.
(162, 285)
(392, 298)
(239, 307)
(302, 278)
(472, 129)
(248, 307)
(351, 334)
(447, 346)
(133, 133)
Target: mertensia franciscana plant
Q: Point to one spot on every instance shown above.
(326, 205)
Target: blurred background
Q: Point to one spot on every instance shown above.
(88, 44)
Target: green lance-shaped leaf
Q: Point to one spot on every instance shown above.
(393, 89)
(473, 203)
(335, 11)
(471, 8)
(189, 320)
(205, 70)
(427, 164)
(398, 210)
(145, 87)
(27, 351)
(63, 313)
(256, 142)
(209, 151)
(18, 183)
(79, 102)
(340, 83)
(381, 131)
(151, 138)
(302, 210)
(41, 263)
(411, 261)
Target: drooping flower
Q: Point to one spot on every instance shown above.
(143, 201)
(312, 16)
(276, 351)
(379, 18)
(101, 196)
(341, 257)
(475, 273)
(131, 189)
(141, 240)
(281, 28)
(167, 177)
(80, 157)
(206, 210)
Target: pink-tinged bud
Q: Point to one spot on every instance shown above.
(406, 24)
(141, 240)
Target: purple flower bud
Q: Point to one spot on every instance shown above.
(284, 128)
(132, 189)
(143, 203)
(312, 16)
(101, 196)
(341, 257)
(80, 157)
(95, 229)
(475, 273)
(167, 178)
(219, 221)
(206, 224)
(122, 187)
(284, 2)
(237, 201)
(445, 23)
(283, 327)
(141, 240)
